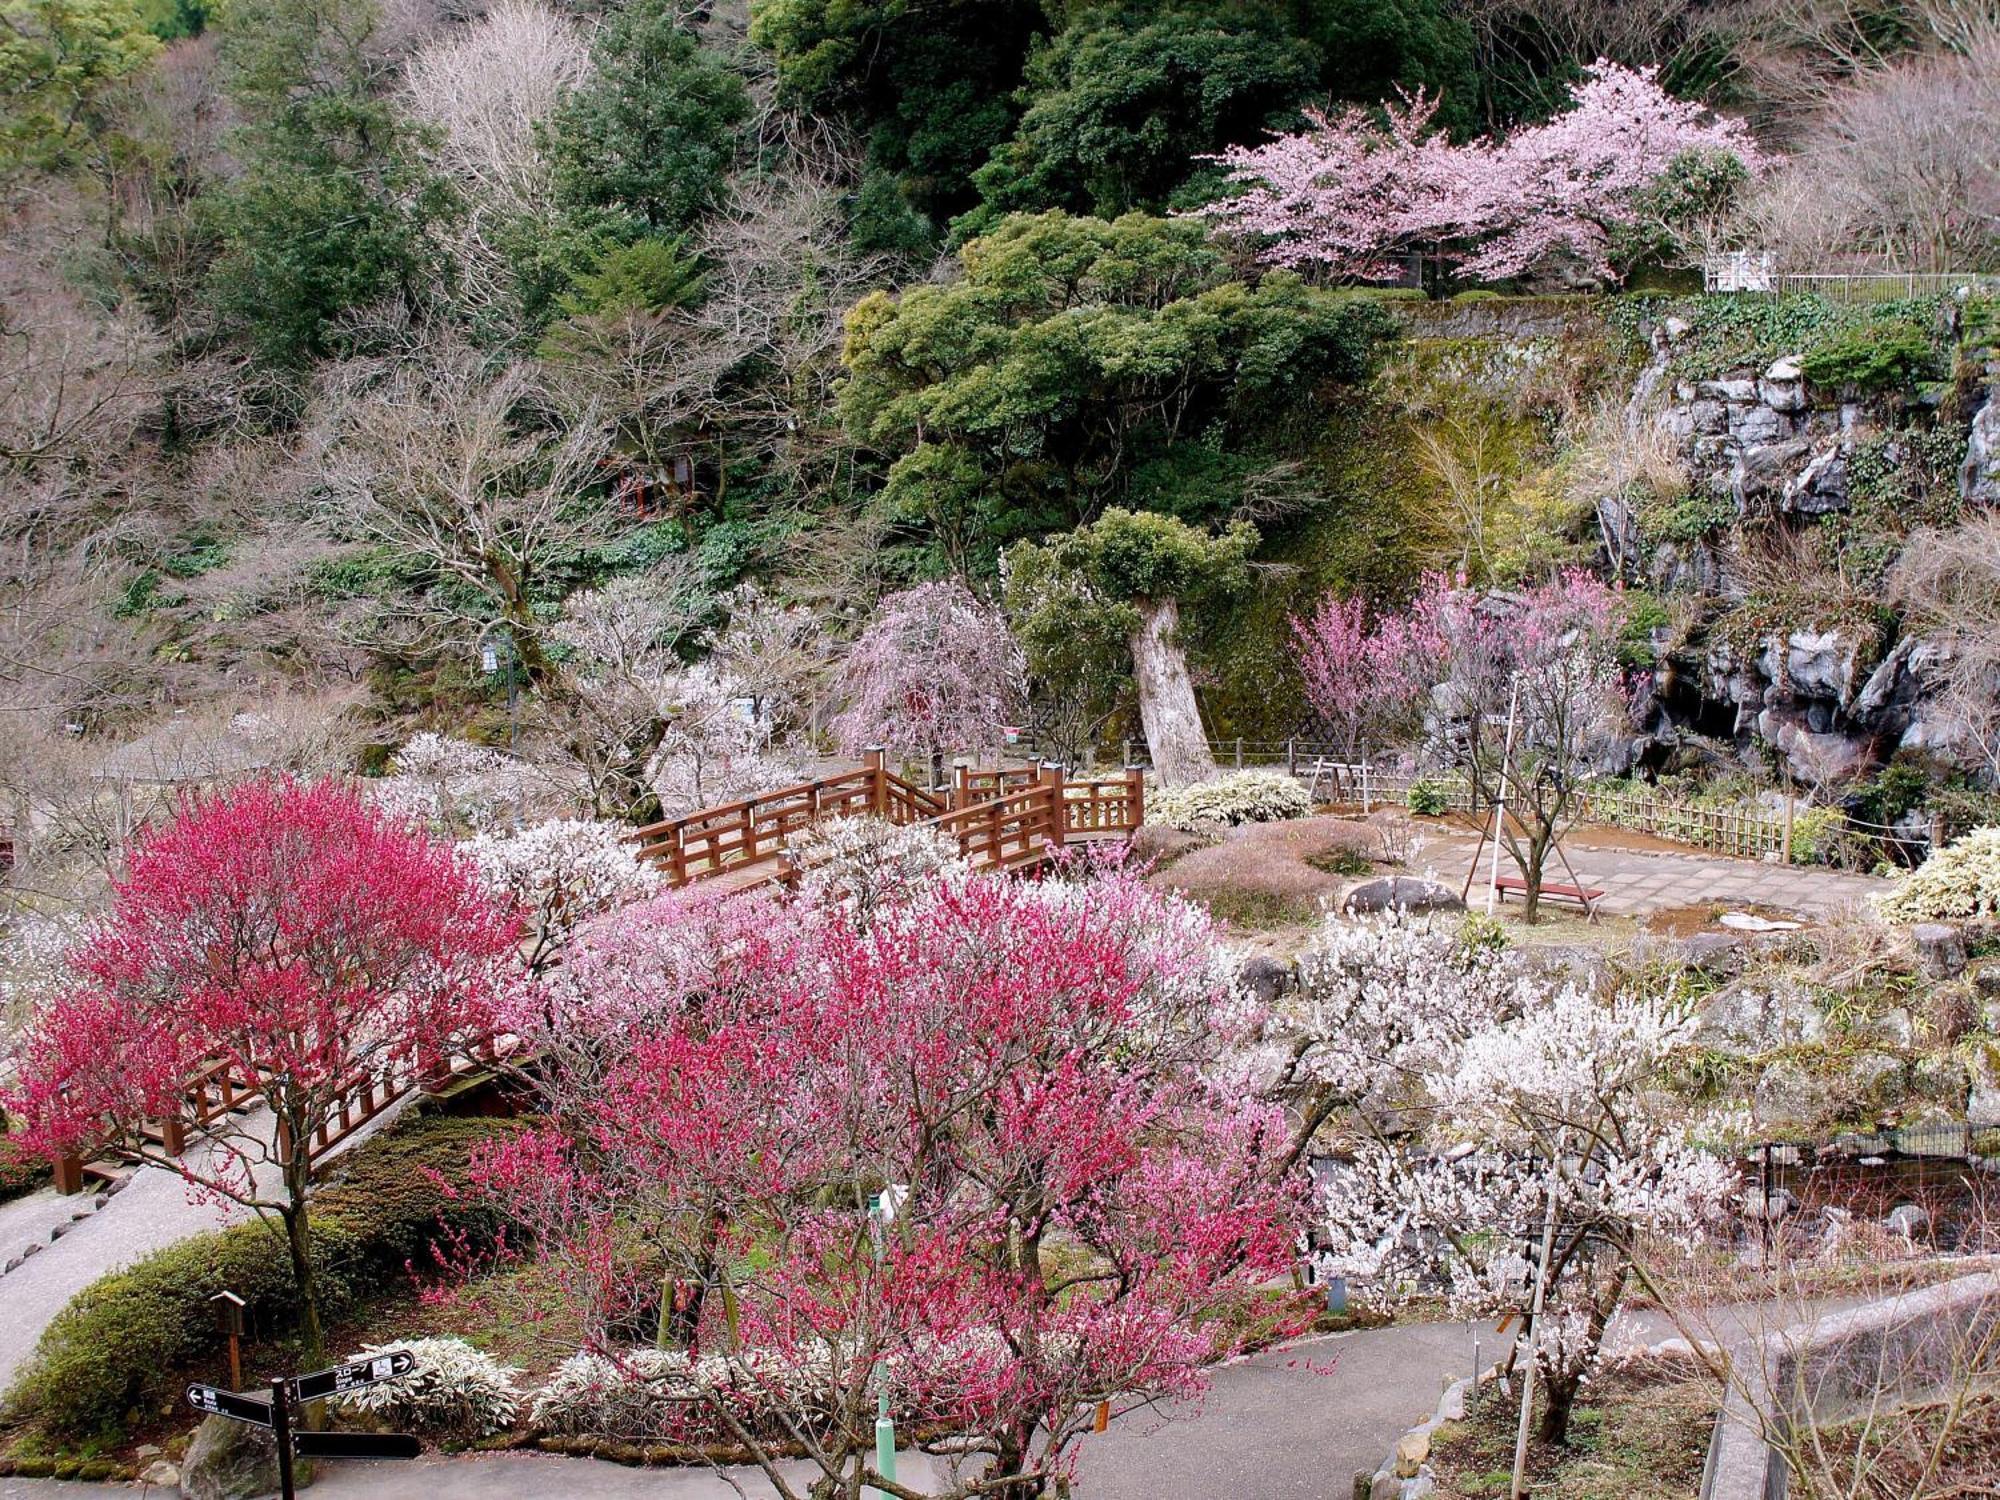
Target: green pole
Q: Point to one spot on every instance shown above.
(885, 1436)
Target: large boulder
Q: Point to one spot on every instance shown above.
(1783, 387)
(1821, 486)
(1401, 892)
(233, 1461)
(1748, 1022)
(1979, 475)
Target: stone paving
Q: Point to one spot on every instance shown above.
(1638, 883)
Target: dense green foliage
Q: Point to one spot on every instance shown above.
(121, 1350)
(650, 136)
(1081, 362)
(333, 205)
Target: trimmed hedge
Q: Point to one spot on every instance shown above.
(121, 1350)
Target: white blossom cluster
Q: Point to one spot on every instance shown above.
(659, 1395)
(1518, 1090)
(1241, 797)
(1960, 880)
(34, 950)
(1385, 1000)
(455, 1390)
(562, 872)
(863, 861)
(447, 784)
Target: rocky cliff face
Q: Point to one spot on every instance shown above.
(1826, 681)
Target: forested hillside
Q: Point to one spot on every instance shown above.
(369, 368)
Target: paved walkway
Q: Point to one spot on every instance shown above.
(1637, 883)
(1293, 1424)
(155, 1209)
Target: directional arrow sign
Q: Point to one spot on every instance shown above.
(228, 1404)
(343, 1378)
(355, 1445)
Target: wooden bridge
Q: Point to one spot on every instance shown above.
(1000, 820)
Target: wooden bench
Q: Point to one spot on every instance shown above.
(1583, 896)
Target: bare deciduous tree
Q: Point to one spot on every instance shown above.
(1949, 583)
(470, 469)
(485, 88)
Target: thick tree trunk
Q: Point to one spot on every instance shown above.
(1167, 709)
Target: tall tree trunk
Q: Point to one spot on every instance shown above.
(1167, 708)
(312, 1337)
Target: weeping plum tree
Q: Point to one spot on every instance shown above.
(935, 670)
(289, 934)
(1134, 573)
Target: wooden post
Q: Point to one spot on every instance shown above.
(1135, 779)
(961, 785)
(1239, 752)
(173, 1133)
(878, 796)
(69, 1174)
(1785, 847)
(1292, 756)
(1052, 782)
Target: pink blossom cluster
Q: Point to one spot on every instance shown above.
(1353, 196)
(1366, 673)
(1079, 1208)
(935, 670)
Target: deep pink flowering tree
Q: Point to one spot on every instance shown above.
(289, 936)
(1369, 675)
(1351, 196)
(1023, 1071)
(935, 670)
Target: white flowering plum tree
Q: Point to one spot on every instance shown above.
(1544, 1128)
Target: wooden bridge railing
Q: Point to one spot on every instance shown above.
(1002, 820)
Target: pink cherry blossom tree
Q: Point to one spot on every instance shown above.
(1367, 675)
(935, 670)
(1024, 1074)
(289, 938)
(1351, 196)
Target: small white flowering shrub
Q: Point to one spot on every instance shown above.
(1240, 797)
(865, 860)
(455, 1391)
(662, 1396)
(1960, 880)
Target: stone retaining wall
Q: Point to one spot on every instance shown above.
(1910, 1343)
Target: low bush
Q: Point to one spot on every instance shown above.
(661, 1395)
(21, 1172)
(1428, 798)
(1240, 797)
(123, 1347)
(456, 1391)
(1960, 880)
(1883, 356)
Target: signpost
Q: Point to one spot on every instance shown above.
(289, 1393)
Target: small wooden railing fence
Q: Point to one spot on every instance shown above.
(220, 1089)
(1001, 820)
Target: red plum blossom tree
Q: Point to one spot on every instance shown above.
(287, 937)
(1021, 1072)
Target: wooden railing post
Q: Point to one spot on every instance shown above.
(173, 1133)
(1135, 805)
(69, 1174)
(961, 785)
(878, 791)
(1052, 784)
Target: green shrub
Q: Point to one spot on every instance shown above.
(1883, 356)
(1428, 798)
(122, 1348)
(20, 1172)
